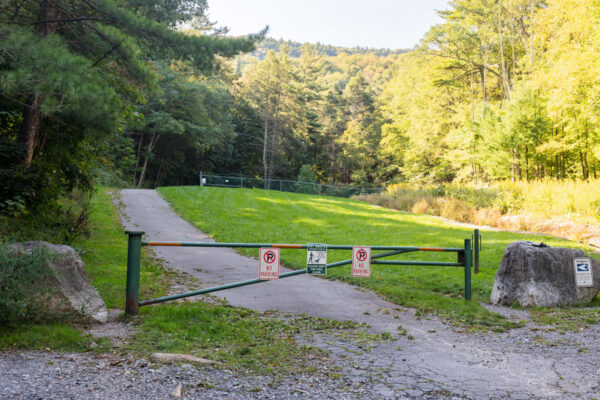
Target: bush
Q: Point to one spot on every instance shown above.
(421, 207)
(59, 221)
(456, 210)
(21, 296)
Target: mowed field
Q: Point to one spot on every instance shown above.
(259, 216)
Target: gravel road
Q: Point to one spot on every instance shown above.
(432, 360)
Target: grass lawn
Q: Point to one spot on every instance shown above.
(238, 337)
(259, 216)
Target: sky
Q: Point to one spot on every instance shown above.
(393, 24)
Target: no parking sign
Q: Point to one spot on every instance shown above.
(268, 264)
(361, 261)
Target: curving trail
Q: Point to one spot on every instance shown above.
(513, 365)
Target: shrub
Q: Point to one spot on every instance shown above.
(421, 207)
(21, 296)
(457, 210)
(58, 221)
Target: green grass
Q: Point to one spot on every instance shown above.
(235, 336)
(104, 253)
(258, 216)
(59, 337)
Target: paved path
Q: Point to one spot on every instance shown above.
(474, 366)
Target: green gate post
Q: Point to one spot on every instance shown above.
(134, 256)
(468, 264)
(476, 248)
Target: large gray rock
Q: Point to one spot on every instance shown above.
(70, 288)
(531, 275)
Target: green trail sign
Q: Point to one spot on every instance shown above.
(316, 259)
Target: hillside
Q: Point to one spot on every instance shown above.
(295, 49)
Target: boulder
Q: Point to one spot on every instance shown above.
(69, 285)
(532, 274)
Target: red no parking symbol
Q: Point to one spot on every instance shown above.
(361, 255)
(269, 256)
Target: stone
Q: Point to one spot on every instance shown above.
(176, 393)
(69, 285)
(176, 358)
(535, 275)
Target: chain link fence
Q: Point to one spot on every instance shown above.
(283, 185)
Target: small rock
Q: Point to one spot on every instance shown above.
(184, 358)
(114, 314)
(176, 393)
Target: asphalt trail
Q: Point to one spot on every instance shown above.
(437, 359)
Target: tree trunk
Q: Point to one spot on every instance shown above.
(532, 4)
(527, 163)
(137, 159)
(265, 143)
(32, 115)
(149, 149)
(482, 72)
(505, 74)
(583, 161)
(333, 162)
(512, 49)
(274, 137)
(28, 132)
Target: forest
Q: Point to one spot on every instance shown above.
(145, 94)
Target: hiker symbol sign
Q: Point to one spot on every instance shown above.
(316, 259)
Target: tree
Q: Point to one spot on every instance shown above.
(82, 65)
(270, 87)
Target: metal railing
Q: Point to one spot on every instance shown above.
(465, 259)
(283, 185)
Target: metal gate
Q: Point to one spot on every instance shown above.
(467, 257)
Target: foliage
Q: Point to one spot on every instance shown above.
(22, 295)
(59, 221)
(498, 90)
(189, 117)
(73, 75)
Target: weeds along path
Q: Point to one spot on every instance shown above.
(428, 357)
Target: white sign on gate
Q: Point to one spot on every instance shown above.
(583, 272)
(268, 264)
(361, 261)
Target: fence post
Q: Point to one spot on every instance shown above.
(201, 182)
(468, 263)
(134, 256)
(476, 242)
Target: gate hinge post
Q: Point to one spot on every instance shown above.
(134, 258)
